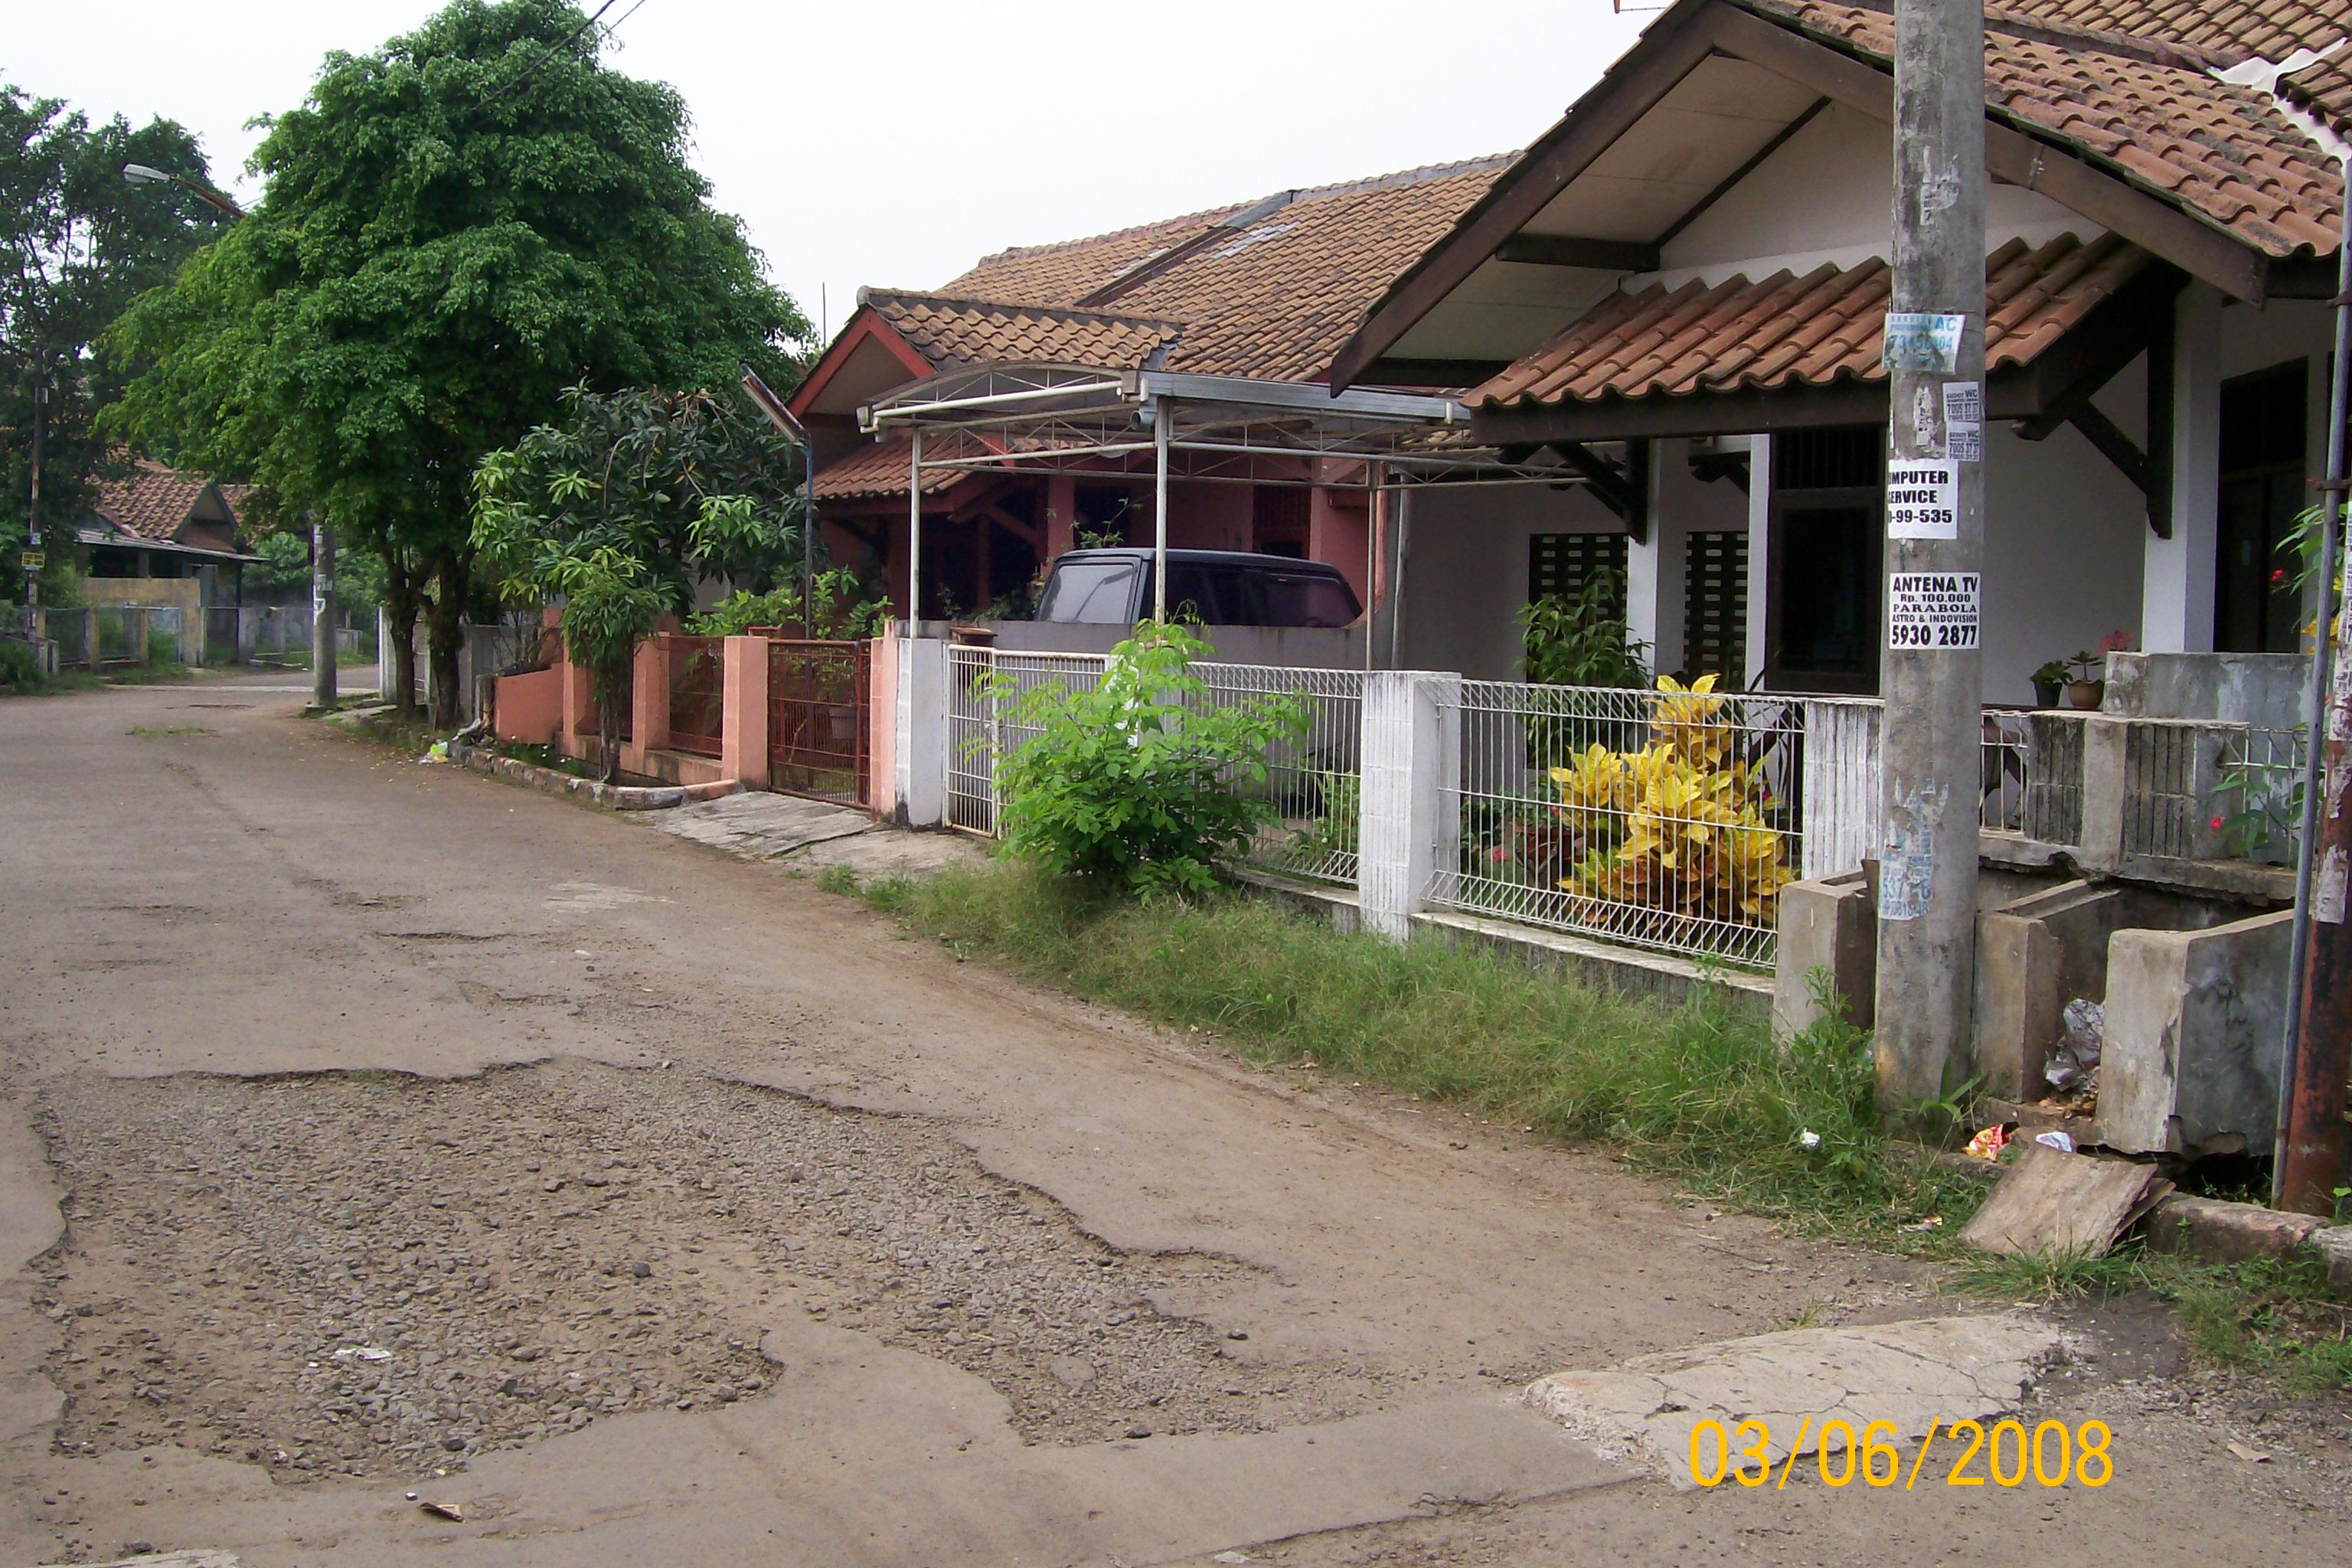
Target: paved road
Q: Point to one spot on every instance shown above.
(369, 1128)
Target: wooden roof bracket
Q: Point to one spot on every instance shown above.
(1622, 489)
(2138, 321)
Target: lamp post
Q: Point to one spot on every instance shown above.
(141, 174)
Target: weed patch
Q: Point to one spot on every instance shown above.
(1699, 1091)
(158, 731)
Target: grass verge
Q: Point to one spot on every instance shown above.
(1697, 1091)
(2271, 1315)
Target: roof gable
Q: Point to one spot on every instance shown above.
(157, 503)
(2135, 136)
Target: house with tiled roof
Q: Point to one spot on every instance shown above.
(1260, 293)
(153, 521)
(1680, 288)
(156, 523)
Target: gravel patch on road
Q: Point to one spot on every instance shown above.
(373, 1274)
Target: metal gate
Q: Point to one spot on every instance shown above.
(820, 719)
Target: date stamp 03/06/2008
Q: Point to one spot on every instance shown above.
(1967, 1454)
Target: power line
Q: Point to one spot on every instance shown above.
(531, 69)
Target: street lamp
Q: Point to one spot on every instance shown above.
(141, 174)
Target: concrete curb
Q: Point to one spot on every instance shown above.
(616, 797)
(2223, 1232)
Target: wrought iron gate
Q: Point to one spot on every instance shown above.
(820, 719)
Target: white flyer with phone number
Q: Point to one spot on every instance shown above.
(1932, 610)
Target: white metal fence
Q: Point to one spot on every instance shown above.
(1664, 820)
(1316, 787)
(1313, 787)
(981, 725)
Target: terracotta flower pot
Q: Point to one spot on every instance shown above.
(2085, 694)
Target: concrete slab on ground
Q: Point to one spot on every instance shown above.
(1929, 1370)
(811, 835)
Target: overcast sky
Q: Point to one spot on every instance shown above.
(894, 142)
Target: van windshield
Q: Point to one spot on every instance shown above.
(1092, 592)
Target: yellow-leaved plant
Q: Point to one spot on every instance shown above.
(1679, 826)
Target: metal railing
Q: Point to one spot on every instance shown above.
(698, 694)
(1313, 787)
(1316, 787)
(981, 725)
(1661, 820)
(2259, 796)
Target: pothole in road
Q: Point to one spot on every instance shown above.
(365, 1274)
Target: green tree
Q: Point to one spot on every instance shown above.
(78, 243)
(622, 509)
(457, 227)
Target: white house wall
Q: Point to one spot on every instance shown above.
(1826, 196)
(2063, 536)
(1465, 573)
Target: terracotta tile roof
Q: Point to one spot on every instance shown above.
(950, 333)
(879, 469)
(152, 501)
(1275, 300)
(2223, 152)
(1271, 298)
(1817, 330)
(2229, 30)
(1066, 272)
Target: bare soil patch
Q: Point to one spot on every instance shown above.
(373, 1274)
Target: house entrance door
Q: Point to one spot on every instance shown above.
(1829, 501)
(2256, 607)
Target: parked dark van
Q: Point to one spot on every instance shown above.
(1214, 587)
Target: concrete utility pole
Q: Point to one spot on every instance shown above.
(1932, 678)
(323, 614)
(32, 561)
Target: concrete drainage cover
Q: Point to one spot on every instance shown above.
(1909, 1374)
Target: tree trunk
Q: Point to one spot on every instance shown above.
(400, 606)
(608, 733)
(444, 635)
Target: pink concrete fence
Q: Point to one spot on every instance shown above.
(699, 712)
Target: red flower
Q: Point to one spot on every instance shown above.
(2278, 577)
(2217, 825)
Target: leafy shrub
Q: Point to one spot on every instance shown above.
(1140, 783)
(1584, 641)
(837, 607)
(20, 665)
(1679, 825)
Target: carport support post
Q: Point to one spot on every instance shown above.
(1159, 411)
(1932, 688)
(914, 534)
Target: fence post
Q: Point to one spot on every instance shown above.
(648, 702)
(2105, 776)
(743, 720)
(920, 753)
(1412, 824)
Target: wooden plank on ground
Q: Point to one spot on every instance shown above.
(2059, 1203)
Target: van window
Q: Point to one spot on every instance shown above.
(1092, 592)
(1307, 599)
(1216, 594)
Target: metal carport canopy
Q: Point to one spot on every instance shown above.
(1077, 418)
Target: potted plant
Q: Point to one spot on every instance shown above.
(2087, 686)
(2048, 682)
